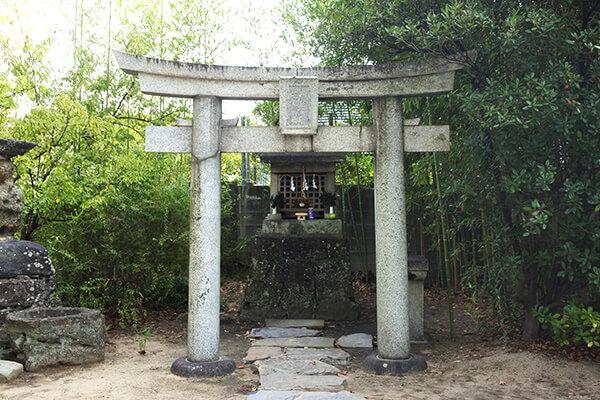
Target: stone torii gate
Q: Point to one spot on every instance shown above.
(298, 90)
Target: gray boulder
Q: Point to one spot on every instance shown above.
(54, 336)
(9, 370)
(21, 257)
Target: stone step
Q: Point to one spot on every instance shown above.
(356, 341)
(262, 353)
(299, 367)
(296, 395)
(295, 323)
(329, 356)
(288, 381)
(276, 332)
(319, 342)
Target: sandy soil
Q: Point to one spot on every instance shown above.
(464, 368)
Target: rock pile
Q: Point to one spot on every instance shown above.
(26, 273)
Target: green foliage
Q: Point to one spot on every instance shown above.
(267, 112)
(575, 324)
(115, 219)
(520, 187)
(144, 336)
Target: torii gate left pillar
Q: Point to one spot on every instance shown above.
(204, 273)
(298, 90)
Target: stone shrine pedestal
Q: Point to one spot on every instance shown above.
(300, 270)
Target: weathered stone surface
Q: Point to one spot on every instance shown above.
(205, 233)
(286, 381)
(295, 323)
(358, 341)
(13, 147)
(262, 139)
(262, 353)
(291, 366)
(23, 292)
(417, 272)
(329, 356)
(309, 228)
(189, 369)
(11, 206)
(380, 366)
(298, 104)
(4, 342)
(299, 277)
(393, 339)
(275, 332)
(26, 280)
(21, 257)
(7, 172)
(320, 342)
(297, 395)
(48, 336)
(9, 370)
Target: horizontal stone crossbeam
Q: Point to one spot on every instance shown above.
(180, 79)
(262, 139)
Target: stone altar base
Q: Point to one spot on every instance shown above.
(299, 276)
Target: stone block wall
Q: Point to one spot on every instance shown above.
(299, 277)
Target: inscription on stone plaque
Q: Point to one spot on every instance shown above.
(298, 105)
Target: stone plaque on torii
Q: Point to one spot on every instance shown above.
(298, 90)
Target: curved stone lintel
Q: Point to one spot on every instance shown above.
(189, 369)
(134, 64)
(181, 79)
(382, 366)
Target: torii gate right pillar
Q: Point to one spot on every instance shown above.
(393, 341)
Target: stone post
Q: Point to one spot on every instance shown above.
(205, 247)
(393, 339)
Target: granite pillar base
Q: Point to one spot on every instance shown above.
(203, 369)
(382, 366)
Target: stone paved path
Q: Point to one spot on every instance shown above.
(292, 366)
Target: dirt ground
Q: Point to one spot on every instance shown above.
(466, 367)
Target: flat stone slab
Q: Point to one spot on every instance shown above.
(295, 395)
(286, 381)
(9, 370)
(262, 353)
(295, 323)
(329, 356)
(291, 366)
(296, 342)
(358, 341)
(276, 332)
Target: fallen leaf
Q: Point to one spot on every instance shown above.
(502, 383)
(241, 367)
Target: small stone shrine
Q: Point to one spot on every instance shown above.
(26, 273)
(300, 268)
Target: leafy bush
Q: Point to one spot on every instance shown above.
(575, 324)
